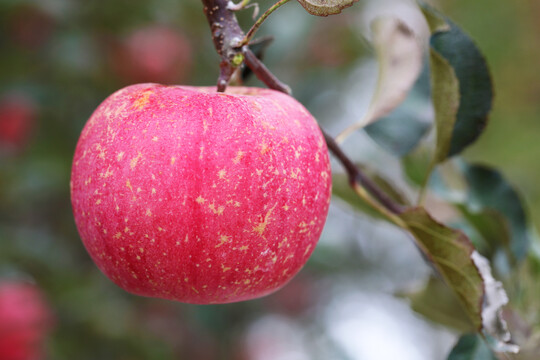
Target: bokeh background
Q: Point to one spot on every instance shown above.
(59, 59)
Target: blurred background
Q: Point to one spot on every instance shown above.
(59, 59)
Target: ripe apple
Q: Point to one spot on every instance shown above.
(152, 54)
(17, 119)
(25, 320)
(202, 197)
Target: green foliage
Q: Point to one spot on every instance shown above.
(438, 303)
(461, 83)
(493, 197)
(471, 347)
(450, 252)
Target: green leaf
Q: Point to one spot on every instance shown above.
(492, 196)
(489, 203)
(416, 165)
(471, 347)
(461, 86)
(399, 56)
(450, 253)
(445, 87)
(476, 236)
(400, 131)
(439, 304)
(325, 7)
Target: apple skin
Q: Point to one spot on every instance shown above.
(25, 320)
(187, 194)
(155, 53)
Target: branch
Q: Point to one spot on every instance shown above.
(228, 37)
(262, 72)
(357, 176)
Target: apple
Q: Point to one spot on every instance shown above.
(17, 119)
(154, 53)
(25, 320)
(184, 193)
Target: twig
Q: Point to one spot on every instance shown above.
(357, 176)
(260, 20)
(262, 72)
(227, 35)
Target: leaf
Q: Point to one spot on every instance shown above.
(437, 303)
(476, 235)
(416, 165)
(325, 7)
(401, 130)
(471, 347)
(466, 272)
(445, 87)
(450, 252)
(492, 196)
(400, 62)
(461, 86)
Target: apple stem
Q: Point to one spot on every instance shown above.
(228, 39)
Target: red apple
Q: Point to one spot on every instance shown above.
(153, 54)
(17, 118)
(202, 197)
(25, 320)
